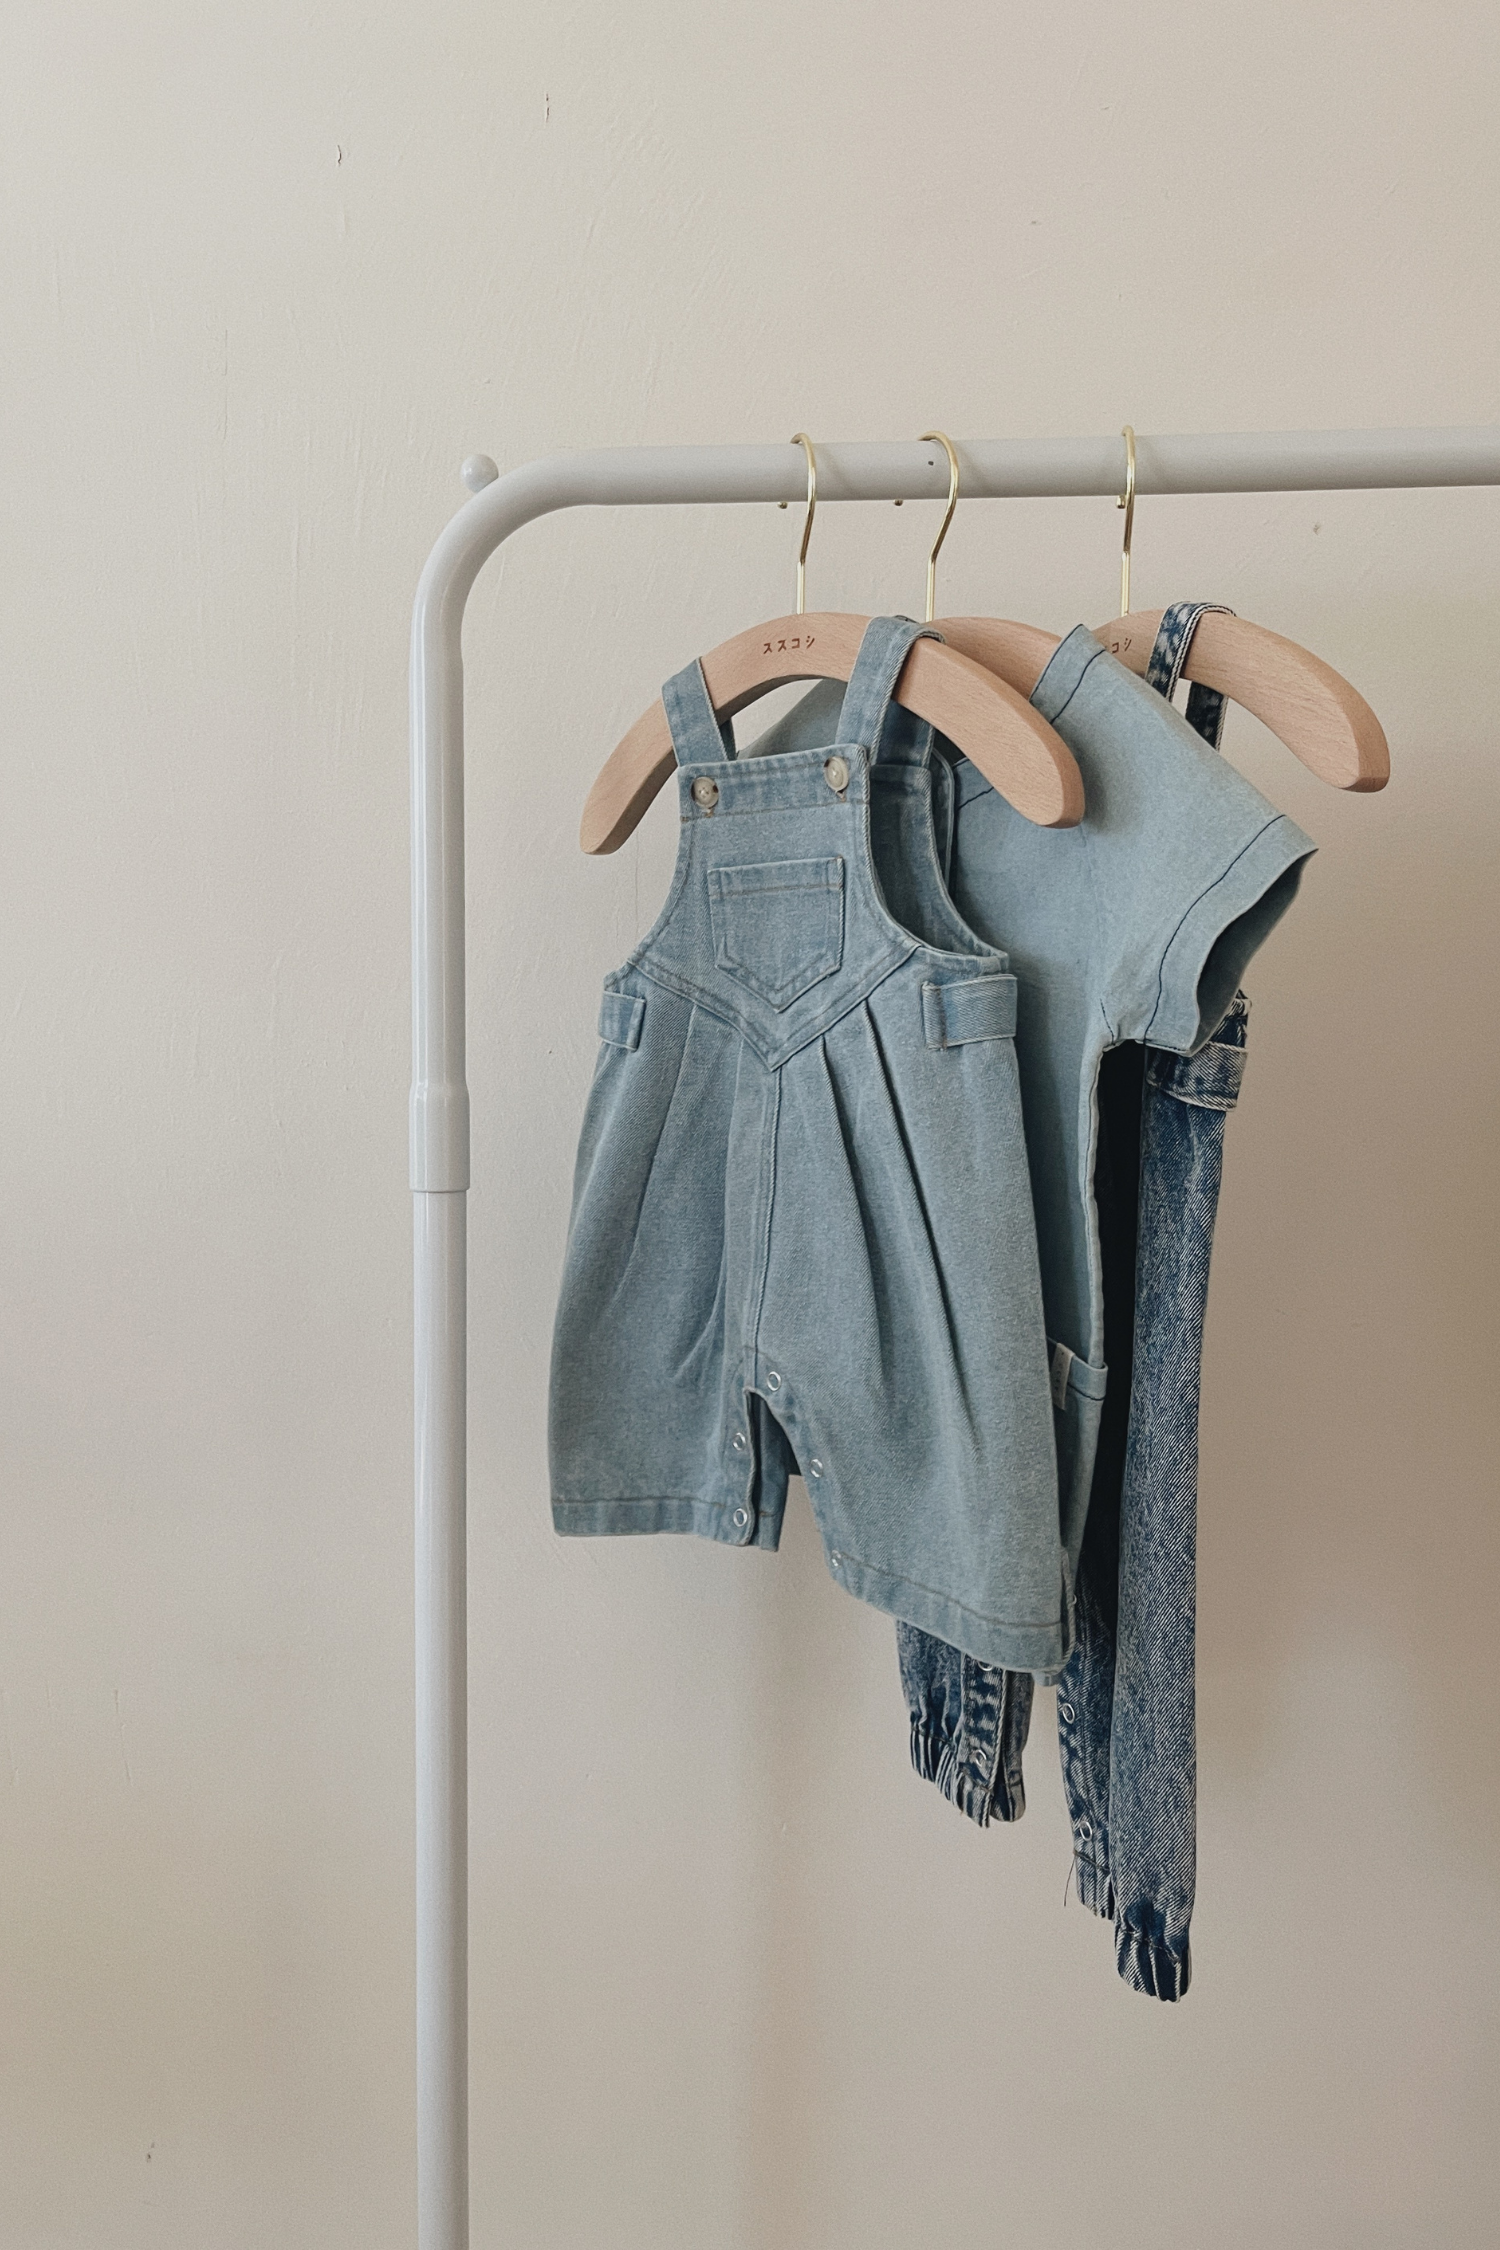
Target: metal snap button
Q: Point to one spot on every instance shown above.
(773, 1381)
(1085, 1829)
(1065, 1711)
(705, 792)
(740, 1442)
(836, 773)
(815, 1468)
(741, 1518)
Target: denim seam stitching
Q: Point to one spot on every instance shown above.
(927, 833)
(992, 1780)
(1190, 911)
(991, 959)
(980, 1616)
(1077, 684)
(1101, 951)
(844, 803)
(722, 1012)
(765, 890)
(767, 1191)
(641, 1500)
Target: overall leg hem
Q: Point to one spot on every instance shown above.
(1010, 1644)
(630, 1516)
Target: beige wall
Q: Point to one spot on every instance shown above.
(740, 1982)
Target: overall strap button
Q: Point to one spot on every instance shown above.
(705, 792)
(836, 773)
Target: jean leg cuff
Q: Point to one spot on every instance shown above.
(938, 1760)
(1149, 1966)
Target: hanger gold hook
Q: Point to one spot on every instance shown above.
(936, 437)
(1127, 502)
(806, 444)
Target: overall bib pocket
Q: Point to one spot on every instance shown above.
(779, 927)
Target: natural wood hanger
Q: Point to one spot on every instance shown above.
(972, 703)
(969, 702)
(1313, 709)
(1322, 719)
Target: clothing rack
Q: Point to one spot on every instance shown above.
(636, 476)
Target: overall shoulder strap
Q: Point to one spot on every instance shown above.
(1205, 706)
(697, 736)
(882, 652)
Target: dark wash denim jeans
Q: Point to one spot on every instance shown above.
(1125, 1699)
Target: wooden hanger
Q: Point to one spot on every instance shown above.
(968, 701)
(1313, 709)
(1322, 719)
(973, 704)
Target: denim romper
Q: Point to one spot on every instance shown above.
(1125, 1704)
(802, 1228)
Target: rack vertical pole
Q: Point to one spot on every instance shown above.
(440, 1180)
(442, 1725)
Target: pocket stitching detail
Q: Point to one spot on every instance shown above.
(734, 887)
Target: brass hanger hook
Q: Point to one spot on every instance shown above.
(1127, 502)
(936, 437)
(806, 444)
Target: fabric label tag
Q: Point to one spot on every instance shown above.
(1062, 1368)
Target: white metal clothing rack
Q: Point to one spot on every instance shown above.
(1270, 461)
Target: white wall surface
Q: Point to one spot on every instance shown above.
(740, 1981)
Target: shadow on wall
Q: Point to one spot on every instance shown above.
(1349, 1524)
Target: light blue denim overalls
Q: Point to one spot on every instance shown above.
(802, 1227)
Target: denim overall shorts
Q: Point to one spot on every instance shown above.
(802, 1234)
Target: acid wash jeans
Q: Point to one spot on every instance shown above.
(1125, 1699)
